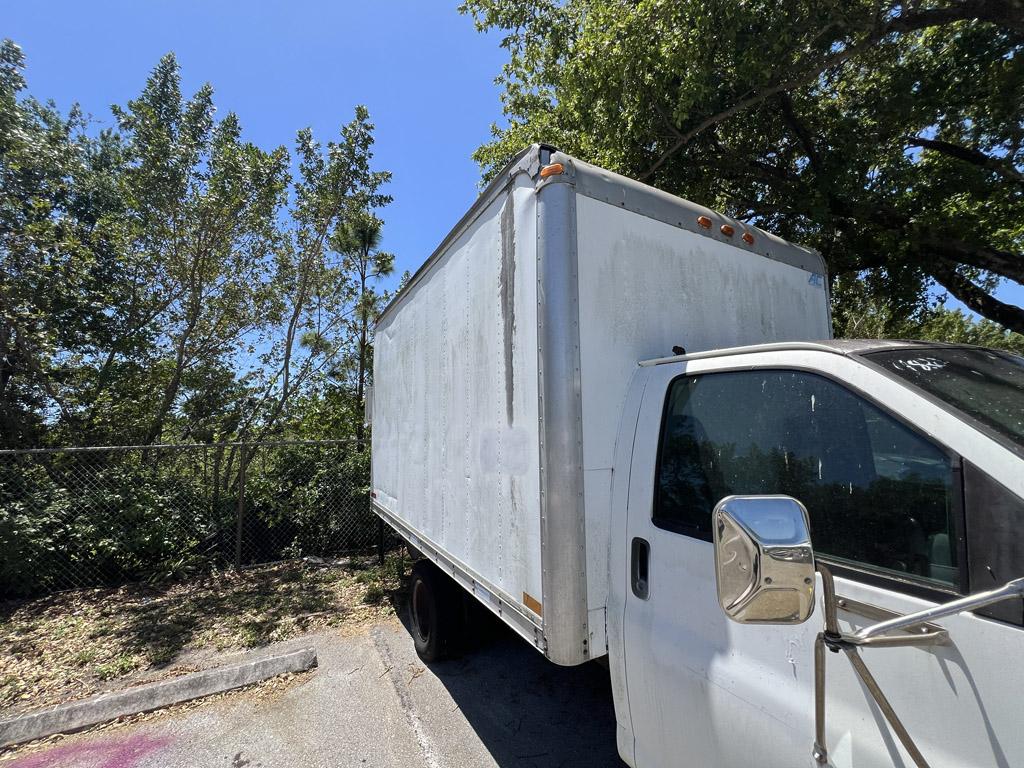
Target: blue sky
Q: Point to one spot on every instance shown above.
(422, 69)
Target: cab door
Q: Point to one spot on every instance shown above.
(885, 500)
(702, 691)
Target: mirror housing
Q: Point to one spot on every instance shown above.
(764, 563)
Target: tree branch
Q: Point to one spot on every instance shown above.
(1002, 263)
(968, 155)
(975, 298)
(1004, 13)
(801, 132)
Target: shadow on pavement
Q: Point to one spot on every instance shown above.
(526, 710)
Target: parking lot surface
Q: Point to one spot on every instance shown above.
(372, 702)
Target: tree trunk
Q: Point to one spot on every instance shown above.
(361, 378)
(171, 390)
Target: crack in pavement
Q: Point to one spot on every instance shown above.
(430, 755)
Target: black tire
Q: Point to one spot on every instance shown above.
(435, 612)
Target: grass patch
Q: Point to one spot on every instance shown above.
(85, 657)
(70, 645)
(118, 667)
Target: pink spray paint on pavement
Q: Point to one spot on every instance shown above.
(106, 753)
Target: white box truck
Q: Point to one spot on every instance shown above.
(615, 418)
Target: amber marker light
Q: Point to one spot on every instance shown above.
(748, 238)
(552, 170)
(704, 221)
(727, 230)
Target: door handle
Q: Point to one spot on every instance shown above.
(639, 568)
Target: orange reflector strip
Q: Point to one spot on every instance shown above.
(748, 238)
(727, 230)
(704, 221)
(551, 170)
(532, 603)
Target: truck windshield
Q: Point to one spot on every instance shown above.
(985, 385)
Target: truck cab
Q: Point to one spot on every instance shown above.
(908, 458)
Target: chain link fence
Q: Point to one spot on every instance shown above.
(85, 517)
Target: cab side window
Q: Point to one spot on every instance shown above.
(879, 494)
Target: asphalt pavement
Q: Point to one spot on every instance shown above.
(372, 702)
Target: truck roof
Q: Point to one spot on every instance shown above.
(848, 347)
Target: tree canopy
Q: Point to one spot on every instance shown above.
(889, 136)
(163, 279)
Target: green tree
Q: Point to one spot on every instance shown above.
(163, 280)
(359, 242)
(859, 315)
(203, 213)
(33, 161)
(158, 281)
(326, 278)
(60, 270)
(135, 262)
(888, 135)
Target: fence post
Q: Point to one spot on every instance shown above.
(243, 458)
(380, 539)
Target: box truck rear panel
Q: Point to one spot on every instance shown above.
(500, 373)
(455, 427)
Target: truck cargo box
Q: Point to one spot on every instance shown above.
(500, 370)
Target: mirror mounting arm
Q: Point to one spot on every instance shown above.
(1008, 591)
(881, 635)
(835, 640)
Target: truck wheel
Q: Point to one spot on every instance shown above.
(435, 612)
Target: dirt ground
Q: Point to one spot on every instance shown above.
(75, 644)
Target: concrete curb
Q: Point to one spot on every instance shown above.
(65, 718)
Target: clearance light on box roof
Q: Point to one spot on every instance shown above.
(727, 230)
(552, 170)
(704, 221)
(748, 238)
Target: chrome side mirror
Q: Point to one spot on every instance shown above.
(763, 559)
